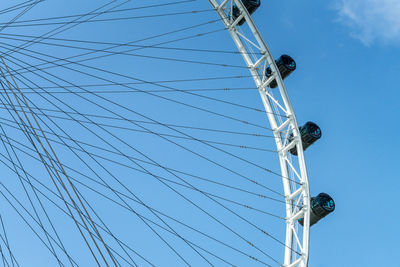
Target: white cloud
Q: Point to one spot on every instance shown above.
(371, 20)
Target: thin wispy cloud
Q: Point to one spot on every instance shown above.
(371, 20)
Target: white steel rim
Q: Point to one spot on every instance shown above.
(296, 246)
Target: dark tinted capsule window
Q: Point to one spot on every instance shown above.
(313, 129)
(288, 62)
(326, 201)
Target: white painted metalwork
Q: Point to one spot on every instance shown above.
(294, 174)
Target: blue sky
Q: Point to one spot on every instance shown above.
(347, 81)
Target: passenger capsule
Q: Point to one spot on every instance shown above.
(309, 132)
(321, 206)
(250, 5)
(285, 64)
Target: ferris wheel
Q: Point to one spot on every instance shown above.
(121, 147)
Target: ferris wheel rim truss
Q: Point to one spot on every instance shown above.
(294, 192)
